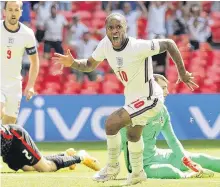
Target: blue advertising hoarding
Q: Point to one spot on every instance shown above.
(82, 117)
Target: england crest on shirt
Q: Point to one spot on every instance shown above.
(119, 61)
(10, 40)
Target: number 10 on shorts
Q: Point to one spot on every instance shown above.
(138, 103)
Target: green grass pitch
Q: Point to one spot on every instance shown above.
(81, 177)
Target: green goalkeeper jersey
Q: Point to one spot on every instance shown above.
(160, 123)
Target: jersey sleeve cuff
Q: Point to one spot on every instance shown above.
(155, 46)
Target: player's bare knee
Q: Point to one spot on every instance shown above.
(116, 121)
(132, 136)
(134, 133)
(111, 127)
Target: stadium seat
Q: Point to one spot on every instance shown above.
(84, 15)
(71, 77)
(216, 54)
(67, 14)
(185, 90)
(100, 15)
(70, 90)
(216, 35)
(49, 91)
(209, 86)
(33, 15)
(196, 63)
(72, 85)
(87, 5)
(38, 87)
(53, 85)
(97, 23)
(89, 91)
(186, 55)
(40, 79)
(111, 77)
(74, 7)
(91, 84)
(111, 85)
(204, 46)
(53, 78)
(171, 74)
(109, 91)
(215, 15)
(40, 48)
(172, 88)
(105, 66)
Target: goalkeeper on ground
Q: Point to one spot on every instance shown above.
(170, 163)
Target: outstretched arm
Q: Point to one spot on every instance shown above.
(170, 46)
(83, 65)
(172, 140)
(143, 8)
(184, 76)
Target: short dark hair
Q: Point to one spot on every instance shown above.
(54, 7)
(6, 2)
(114, 15)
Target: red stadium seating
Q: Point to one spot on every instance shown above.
(98, 23)
(215, 15)
(100, 15)
(72, 86)
(111, 77)
(91, 84)
(84, 15)
(89, 91)
(49, 91)
(216, 36)
(53, 85)
(67, 14)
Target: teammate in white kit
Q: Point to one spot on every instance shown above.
(15, 39)
(130, 59)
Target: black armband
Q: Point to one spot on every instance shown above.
(31, 50)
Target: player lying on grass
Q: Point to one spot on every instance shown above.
(20, 152)
(169, 163)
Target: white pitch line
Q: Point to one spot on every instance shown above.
(83, 177)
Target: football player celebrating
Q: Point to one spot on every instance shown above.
(15, 39)
(131, 61)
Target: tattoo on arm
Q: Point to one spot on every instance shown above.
(171, 47)
(83, 65)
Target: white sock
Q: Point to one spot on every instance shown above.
(136, 150)
(114, 148)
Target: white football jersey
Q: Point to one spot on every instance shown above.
(133, 66)
(13, 45)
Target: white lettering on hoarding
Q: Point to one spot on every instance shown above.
(208, 131)
(68, 133)
(97, 116)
